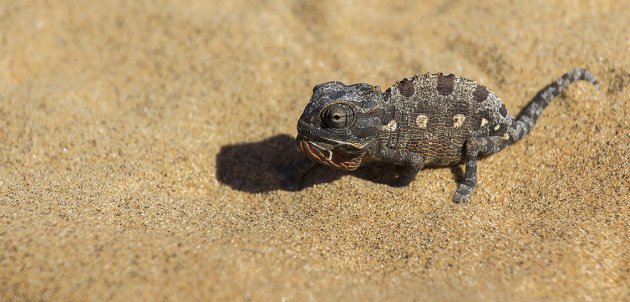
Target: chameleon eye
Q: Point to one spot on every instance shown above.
(338, 116)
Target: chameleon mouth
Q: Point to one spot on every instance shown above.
(329, 157)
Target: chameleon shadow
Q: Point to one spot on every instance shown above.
(275, 164)
(264, 166)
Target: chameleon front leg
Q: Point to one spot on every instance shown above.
(474, 147)
(413, 163)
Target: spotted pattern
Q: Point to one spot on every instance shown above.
(481, 93)
(391, 126)
(406, 87)
(458, 120)
(422, 121)
(440, 120)
(486, 117)
(445, 84)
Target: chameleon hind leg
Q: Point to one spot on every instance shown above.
(474, 147)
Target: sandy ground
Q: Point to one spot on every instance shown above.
(146, 148)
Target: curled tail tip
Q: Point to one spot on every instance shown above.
(596, 84)
(584, 75)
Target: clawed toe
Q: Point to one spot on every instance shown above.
(463, 193)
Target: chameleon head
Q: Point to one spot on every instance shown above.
(340, 123)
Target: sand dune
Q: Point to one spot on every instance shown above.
(146, 153)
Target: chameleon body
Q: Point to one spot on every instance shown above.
(422, 121)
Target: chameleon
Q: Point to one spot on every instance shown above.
(430, 120)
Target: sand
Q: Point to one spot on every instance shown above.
(146, 148)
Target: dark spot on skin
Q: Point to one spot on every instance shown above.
(406, 88)
(445, 84)
(555, 85)
(487, 116)
(556, 88)
(502, 110)
(567, 77)
(387, 95)
(481, 93)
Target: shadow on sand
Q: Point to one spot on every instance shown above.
(275, 164)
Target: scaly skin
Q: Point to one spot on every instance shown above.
(424, 121)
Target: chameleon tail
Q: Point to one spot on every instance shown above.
(526, 119)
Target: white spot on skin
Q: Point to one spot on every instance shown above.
(506, 136)
(391, 126)
(484, 122)
(497, 127)
(459, 120)
(422, 121)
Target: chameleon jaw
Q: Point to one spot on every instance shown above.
(328, 156)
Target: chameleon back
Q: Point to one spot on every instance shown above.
(434, 114)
